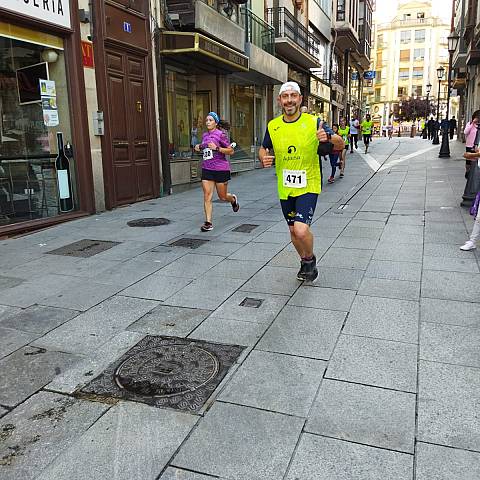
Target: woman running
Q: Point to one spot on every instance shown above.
(338, 149)
(344, 132)
(215, 167)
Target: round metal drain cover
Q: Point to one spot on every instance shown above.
(148, 222)
(167, 370)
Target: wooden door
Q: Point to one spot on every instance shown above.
(129, 128)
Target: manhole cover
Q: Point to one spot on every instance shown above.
(188, 242)
(251, 302)
(84, 248)
(245, 228)
(148, 222)
(167, 372)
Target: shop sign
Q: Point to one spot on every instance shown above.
(298, 77)
(319, 89)
(369, 75)
(223, 52)
(87, 54)
(56, 12)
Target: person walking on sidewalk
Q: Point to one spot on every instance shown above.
(295, 137)
(215, 166)
(452, 126)
(354, 126)
(470, 132)
(344, 132)
(366, 126)
(471, 244)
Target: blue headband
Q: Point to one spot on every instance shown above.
(214, 116)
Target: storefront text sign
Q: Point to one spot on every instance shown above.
(87, 55)
(52, 11)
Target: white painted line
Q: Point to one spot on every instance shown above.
(407, 157)
(371, 162)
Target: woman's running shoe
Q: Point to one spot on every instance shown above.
(331, 180)
(235, 204)
(206, 227)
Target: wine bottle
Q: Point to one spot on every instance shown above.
(62, 166)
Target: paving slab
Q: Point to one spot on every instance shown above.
(173, 473)
(240, 269)
(156, 287)
(346, 258)
(385, 318)
(450, 285)
(448, 264)
(357, 243)
(328, 458)
(324, 298)
(443, 463)
(265, 313)
(274, 280)
(343, 278)
(39, 430)
(207, 292)
(446, 250)
(86, 369)
(231, 442)
(450, 312)
(224, 330)
(448, 405)
(382, 287)
(363, 414)
(450, 344)
(11, 340)
(391, 270)
(371, 361)
(30, 369)
(275, 382)
(89, 331)
(394, 251)
(259, 252)
(170, 321)
(307, 332)
(7, 311)
(3, 411)
(191, 266)
(39, 319)
(81, 296)
(111, 447)
(218, 247)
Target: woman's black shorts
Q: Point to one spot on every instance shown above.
(217, 176)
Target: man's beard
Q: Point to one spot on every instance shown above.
(296, 107)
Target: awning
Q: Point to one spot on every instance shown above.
(201, 52)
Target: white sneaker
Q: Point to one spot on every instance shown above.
(469, 245)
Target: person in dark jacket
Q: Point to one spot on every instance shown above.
(430, 128)
(452, 126)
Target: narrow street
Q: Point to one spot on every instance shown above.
(370, 373)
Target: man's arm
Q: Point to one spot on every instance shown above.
(264, 155)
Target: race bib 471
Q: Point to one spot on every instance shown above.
(295, 178)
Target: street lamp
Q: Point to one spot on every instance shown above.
(440, 73)
(453, 39)
(427, 111)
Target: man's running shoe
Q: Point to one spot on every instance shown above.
(342, 175)
(301, 275)
(469, 245)
(311, 271)
(235, 204)
(206, 227)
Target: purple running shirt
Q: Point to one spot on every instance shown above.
(217, 161)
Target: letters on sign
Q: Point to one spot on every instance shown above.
(52, 11)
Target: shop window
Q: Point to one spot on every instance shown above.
(402, 91)
(29, 121)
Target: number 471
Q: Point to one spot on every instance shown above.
(294, 178)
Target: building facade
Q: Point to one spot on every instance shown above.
(407, 52)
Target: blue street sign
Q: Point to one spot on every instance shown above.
(127, 27)
(355, 76)
(369, 75)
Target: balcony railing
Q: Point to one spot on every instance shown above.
(286, 25)
(412, 22)
(259, 32)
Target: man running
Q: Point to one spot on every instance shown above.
(354, 124)
(366, 126)
(294, 137)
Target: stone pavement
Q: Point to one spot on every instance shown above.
(371, 373)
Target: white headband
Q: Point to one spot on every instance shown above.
(290, 86)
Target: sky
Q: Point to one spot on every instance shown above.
(386, 9)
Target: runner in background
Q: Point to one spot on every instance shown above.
(366, 127)
(354, 126)
(215, 166)
(344, 132)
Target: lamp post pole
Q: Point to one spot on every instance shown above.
(427, 111)
(452, 46)
(440, 72)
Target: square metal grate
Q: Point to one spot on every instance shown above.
(251, 302)
(167, 372)
(84, 248)
(245, 228)
(188, 242)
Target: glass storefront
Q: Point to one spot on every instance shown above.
(30, 118)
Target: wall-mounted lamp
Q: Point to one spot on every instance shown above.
(84, 16)
(50, 56)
